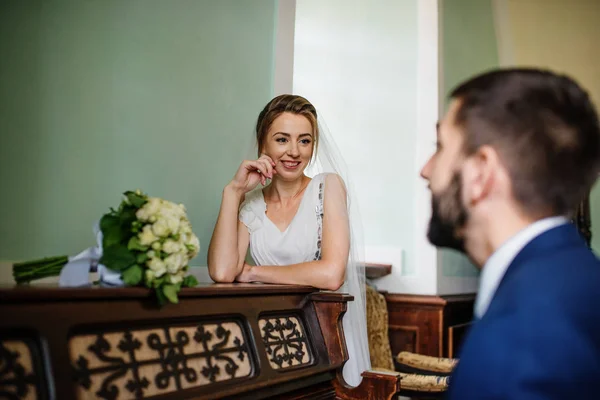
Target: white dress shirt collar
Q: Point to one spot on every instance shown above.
(496, 266)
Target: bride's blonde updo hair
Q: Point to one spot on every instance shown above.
(286, 103)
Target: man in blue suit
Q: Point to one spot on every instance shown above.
(517, 150)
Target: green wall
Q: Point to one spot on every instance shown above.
(469, 47)
(99, 97)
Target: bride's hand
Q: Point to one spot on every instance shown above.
(251, 172)
(246, 275)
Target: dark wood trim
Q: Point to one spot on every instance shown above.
(28, 293)
(374, 270)
(452, 352)
(374, 386)
(427, 299)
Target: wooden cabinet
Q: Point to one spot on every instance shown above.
(428, 325)
(237, 341)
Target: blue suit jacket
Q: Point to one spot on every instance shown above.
(540, 338)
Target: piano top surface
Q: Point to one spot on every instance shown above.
(54, 292)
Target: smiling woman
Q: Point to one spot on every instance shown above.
(296, 225)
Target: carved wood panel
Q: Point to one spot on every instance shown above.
(22, 372)
(138, 363)
(285, 341)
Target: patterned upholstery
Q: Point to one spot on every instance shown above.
(377, 329)
(425, 363)
(420, 383)
(424, 383)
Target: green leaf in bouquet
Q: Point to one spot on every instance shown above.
(157, 282)
(132, 276)
(190, 281)
(110, 226)
(142, 258)
(127, 218)
(117, 257)
(162, 299)
(134, 244)
(135, 199)
(170, 292)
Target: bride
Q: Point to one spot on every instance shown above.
(299, 229)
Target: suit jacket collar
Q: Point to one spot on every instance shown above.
(550, 241)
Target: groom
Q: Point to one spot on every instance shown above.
(517, 151)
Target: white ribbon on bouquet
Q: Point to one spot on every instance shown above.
(76, 272)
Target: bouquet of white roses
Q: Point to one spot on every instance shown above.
(148, 240)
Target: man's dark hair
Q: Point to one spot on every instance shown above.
(543, 126)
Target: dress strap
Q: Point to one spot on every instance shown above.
(319, 211)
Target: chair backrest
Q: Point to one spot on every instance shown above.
(377, 328)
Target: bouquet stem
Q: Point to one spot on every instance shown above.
(28, 271)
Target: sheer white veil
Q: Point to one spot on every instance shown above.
(328, 158)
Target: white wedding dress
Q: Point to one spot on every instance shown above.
(301, 242)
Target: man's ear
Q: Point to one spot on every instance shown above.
(479, 174)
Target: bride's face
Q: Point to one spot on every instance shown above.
(289, 142)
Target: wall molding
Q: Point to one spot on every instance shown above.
(502, 27)
(428, 112)
(285, 24)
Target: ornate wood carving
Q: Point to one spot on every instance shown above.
(148, 362)
(285, 341)
(22, 371)
(17, 378)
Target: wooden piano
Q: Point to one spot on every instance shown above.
(238, 341)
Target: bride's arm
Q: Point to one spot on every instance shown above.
(230, 239)
(329, 272)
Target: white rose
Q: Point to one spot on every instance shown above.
(160, 228)
(185, 227)
(177, 210)
(156, 246)
(151, 253)
(170, 246)
(173, 224)
(153, 205)
(174, 263)
(149, 209)
(175, 278)
(195, 243)
(158, 266)
(142, 214)
(146, 236)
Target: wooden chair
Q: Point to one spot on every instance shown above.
(421, 376)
